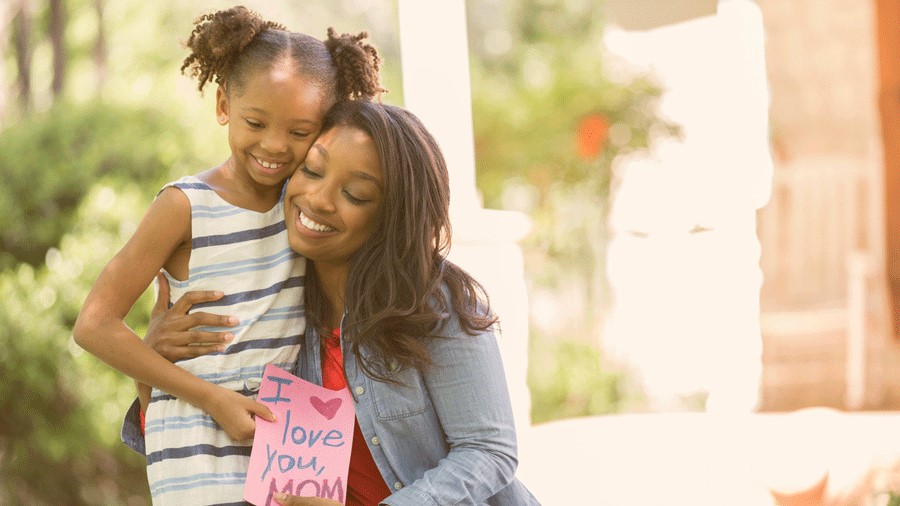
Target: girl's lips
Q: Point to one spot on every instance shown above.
(269, 167)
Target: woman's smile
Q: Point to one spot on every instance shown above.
(310, 224)
(335, 196)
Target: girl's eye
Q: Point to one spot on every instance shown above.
(254, 124)
(300, 135)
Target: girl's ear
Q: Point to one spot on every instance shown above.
(221, 106)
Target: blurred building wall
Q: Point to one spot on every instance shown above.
(823, 319)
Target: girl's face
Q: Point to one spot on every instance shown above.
(332, 201)
(272, 121)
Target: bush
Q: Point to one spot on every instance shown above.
(77, 181)
(49, 161)
(571, 382)
(61, 409)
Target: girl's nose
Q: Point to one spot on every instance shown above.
(274, 143)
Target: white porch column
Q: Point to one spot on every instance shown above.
(686, 291)
(435, 60)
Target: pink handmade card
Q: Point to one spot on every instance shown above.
(307, 451)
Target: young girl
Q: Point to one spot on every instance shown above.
(224, 228)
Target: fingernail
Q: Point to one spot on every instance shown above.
(220, 348)
(218, 293)
(233, 320)
(228, 337)
(279, 496)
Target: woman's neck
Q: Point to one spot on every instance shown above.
(332, 281)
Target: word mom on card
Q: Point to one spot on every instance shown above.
(306, 452)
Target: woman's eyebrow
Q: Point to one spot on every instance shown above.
(322, 151)
(365, 175)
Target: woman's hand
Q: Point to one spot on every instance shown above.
(172, 331)
(235, 413)
(292, 500)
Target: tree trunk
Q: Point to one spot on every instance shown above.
(100, 48)
(57, 41)
(23, 53)
(7, 12)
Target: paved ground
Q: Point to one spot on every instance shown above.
(701, 459)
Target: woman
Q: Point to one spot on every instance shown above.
(409, 332)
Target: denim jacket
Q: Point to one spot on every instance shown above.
(444, 436)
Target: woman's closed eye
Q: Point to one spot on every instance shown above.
(252, 123)
(354, 200)
(309, 173)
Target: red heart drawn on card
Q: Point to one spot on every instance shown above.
(327, 409)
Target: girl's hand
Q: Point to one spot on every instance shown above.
(235, 413)
(172, 331)
(292, 500)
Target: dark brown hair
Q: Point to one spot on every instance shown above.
(229, 45)
(395, 296)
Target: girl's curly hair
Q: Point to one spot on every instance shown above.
(229, 45)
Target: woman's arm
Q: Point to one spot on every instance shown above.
(174, 333)
(468, 390)
(101, 328)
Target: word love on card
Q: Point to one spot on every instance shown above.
(307, 451)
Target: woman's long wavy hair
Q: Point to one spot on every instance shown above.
(394, 297)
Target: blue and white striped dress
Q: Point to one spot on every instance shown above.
(190, 459)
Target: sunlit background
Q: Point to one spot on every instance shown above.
(682, 210)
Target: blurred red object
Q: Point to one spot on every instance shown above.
(592, 132)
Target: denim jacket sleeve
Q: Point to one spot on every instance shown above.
(468, 392)
(131, 428)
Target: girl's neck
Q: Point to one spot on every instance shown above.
(241, 190)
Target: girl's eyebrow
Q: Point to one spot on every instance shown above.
(263, 112)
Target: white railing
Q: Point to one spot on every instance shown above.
(821, 255)
(817, 217)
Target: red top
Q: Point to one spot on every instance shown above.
(365, 485)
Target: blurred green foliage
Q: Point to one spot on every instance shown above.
(50, 160)
(58, 405)
(538, 71)
(567, 380)
(78, 177)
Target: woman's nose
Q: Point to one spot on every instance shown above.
(320, 200)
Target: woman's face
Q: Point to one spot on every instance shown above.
(332, 200)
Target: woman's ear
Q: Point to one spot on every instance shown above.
(221, 106)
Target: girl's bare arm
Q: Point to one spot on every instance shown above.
(101, 328)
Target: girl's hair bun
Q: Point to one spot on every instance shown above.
(217, 40)
(357, 64)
